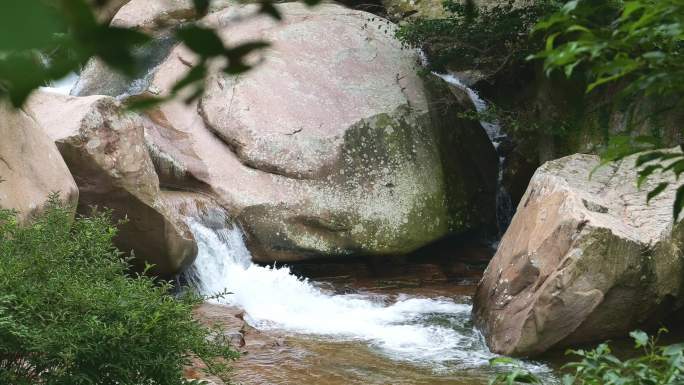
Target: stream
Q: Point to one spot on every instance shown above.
(319, 331)
(339, 330)
(300, 331)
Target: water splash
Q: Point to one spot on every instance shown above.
(421, 330)
(492, 127)
(63, 86)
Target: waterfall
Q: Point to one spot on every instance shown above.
(63, 86)
(504, 205)
(427, 331)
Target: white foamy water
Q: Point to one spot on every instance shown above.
(63, 86)
(493, 128)
(413, 329)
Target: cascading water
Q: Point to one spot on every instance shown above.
(421, 330)
(504, 205)
(434, 333)
(64, 85)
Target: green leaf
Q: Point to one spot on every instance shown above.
(115, 46)
(675, 349)
(604, 80)
(640, 338)
(143, 104)
(201, 6)
(676, 167)
(646, 172)
(679, 201)
(570, 6)
(268, 8)
(236, 56)
(630, 8)
(578, 28)
(238, 53)
(568, 379)
(203, 41)
(28, 24)
(656, 191)
(648, 157)
(503, 361)
(196, 74)
(551, 40)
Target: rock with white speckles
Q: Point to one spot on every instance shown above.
(31, 167)
(583, 260)
(105, 149)
(329, 147)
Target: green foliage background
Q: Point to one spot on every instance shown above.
(487, 39)
(636, 44)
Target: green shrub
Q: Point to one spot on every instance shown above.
(70, 313)
(638, 45)
(487, 38)
(658, 365)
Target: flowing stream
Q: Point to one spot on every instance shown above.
(415, 329)
(433, 335)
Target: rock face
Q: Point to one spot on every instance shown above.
(30, 165)
(583, 260)
(105, 150)
(329, 147)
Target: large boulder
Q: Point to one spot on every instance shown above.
(583, 260)
(104, 147)
(328, 147)
(30, 166)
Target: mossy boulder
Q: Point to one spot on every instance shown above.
(329, 147)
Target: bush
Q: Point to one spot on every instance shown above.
(71, 314)
(658, 365)
(637, 44)
(487, 39)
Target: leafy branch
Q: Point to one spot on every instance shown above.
(657, 365)
(44, 40)
(637, 45)
(484, 38)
